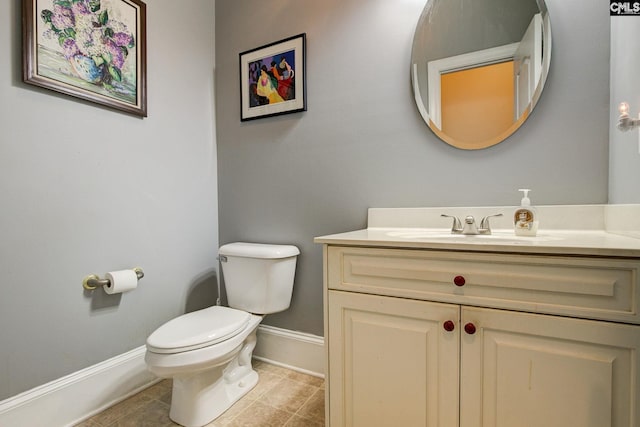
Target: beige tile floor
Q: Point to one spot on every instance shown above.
(282, 398)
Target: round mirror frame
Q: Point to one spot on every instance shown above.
(434, 55)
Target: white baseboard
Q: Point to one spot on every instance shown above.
(75, 397)
(293, 350)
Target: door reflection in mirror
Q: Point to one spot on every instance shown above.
(477, 103)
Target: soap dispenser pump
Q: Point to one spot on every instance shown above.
(525, 219)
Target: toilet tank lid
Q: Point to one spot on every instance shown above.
(258, 250)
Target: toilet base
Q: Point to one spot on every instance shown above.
(199, 398)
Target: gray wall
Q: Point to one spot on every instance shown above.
(362, 142)
(624, 173)
(88, 190)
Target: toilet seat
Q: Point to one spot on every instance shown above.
(198, 329)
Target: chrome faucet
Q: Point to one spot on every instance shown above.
(470, 227)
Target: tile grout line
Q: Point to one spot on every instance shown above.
(157, 397)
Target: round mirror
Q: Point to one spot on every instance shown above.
(478, 67)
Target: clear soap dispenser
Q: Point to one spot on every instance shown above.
(525, 219)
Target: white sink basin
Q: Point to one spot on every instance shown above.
(495, 237)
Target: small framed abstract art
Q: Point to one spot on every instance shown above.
(89, 49)
(273, 79)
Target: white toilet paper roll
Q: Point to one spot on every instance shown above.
(121, 281)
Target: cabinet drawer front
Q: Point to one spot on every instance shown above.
(597, 288)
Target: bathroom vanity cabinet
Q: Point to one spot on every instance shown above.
(440, 336)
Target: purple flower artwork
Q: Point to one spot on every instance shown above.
(91, 45)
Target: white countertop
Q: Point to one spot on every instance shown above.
(396, 228)
(559, 242)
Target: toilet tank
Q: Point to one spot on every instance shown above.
(258, 277)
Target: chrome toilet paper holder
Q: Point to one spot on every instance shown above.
(93, 281)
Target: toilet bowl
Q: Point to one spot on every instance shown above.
(205, 381)
(208, 352)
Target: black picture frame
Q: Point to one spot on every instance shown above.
(273, 79)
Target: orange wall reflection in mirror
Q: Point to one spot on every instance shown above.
(477, 103)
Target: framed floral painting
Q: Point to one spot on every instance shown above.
(90, 49)
(273, 79)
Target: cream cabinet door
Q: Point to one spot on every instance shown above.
(391, 362)
(529, 370)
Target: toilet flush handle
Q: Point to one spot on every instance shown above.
(221, 258)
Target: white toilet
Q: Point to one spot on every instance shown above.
(208, 352)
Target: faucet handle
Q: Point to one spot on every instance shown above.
(457, 225)
(484, 223)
